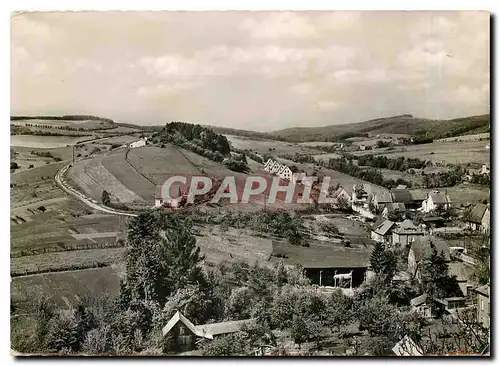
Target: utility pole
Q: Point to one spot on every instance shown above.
(320, 272)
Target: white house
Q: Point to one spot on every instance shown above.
(383, 232)
(139, 143)
(275, 167)
(436, 201)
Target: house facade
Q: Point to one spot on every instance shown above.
(279, 169)
(436, 201)
(383, 232)
(406, 233)
(479, 218)
(483, 305)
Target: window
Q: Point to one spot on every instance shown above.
(181, 330)
(482, 305)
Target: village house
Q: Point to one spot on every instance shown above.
(281, 170)
(485, 169)
(139, 143)
(479, 218)
(421, 248)
(406, 233)
(436, 201)
(325, 265)
(182, 335)
(342, 194)
(421, 306)
(383, 232)
(381, 199)
(394, 209)
(483, 305)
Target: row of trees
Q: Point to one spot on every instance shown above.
(400, 163)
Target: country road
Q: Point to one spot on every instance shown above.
(59, 179)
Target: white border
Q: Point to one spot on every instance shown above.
(8, 6)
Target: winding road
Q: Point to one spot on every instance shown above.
(59, 179)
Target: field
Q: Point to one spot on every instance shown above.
(86, 124)
(265, 146)
(93, 283)
(44, 142)
(440, 152)
(463, 193)
(476, 137)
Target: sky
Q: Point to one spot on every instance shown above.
(260, 71)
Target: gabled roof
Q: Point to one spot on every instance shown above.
(383, 197)
(419, 300)
(477, 213)
(439, 198)
(421, 247)
(484, 290)
(407, 227)
(206, 330)
(178, 317)
(401, 195)
(384, 227)
(418, 195)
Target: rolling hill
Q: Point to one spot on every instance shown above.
(402, 124)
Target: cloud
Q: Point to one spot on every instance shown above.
(279, 25)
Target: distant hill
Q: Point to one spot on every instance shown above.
(77, 117)
(402, 124)
(243, 133)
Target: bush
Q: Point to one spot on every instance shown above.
(14, 165)
(42, 208)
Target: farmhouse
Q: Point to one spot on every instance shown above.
(394, 209)
(323, 262)
(381, 199)
(479, 218)
(275, 167)
(421, 248)
(421, 306)
(139, 143)
(181, 335)
(383, 232)
(342, 194)
(436, 201)
(406, 233)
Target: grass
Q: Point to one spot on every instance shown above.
(60, 261)
(59, 286)
(263, 146)
(44, 142)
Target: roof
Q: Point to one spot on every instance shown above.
(401, 195)
(407, 227)
(477, 213)
(439, 198)
(418, 195)
(484, 290)
(432, 219)
(224, 327)
(178, 317)
(419, 300)
(461, 270)
(206, 330)
(384, 227)
(421, 247)
(323, 255)
(395, 206)
(401, 186)
(383, 197)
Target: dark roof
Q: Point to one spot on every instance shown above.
(421, 247)
(439, 198)
(418, 195)
(477, 213)
(401, 195)
(322, 255)
(384, 227)
(395, 206)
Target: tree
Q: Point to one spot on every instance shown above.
(377, 257)
(106, 200)
(436, 282)
(14, 165)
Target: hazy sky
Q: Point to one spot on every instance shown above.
(250, 70)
